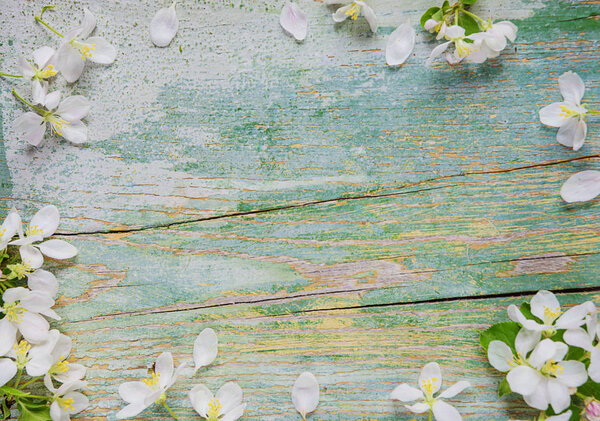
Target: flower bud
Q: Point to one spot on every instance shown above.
(592, 409)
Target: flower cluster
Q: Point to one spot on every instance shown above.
(27, 344)
(226, 405)
(473, 39)
(551, 358)
(63, 118)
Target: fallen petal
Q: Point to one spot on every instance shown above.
(294, 21)
(581, 187)
(400, 44)
(164, 26)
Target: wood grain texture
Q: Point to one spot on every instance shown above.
(318, 209)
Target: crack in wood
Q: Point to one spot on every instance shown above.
(333, 200)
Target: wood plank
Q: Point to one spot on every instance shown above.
(358, 355)
(487, 234)
(245, 118)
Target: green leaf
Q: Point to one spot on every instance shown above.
(469, 2)
(32, 411)
(590, 388)
(471, 26)
(504, 388)
(12, 391)
(446, 6)
(505, 332)
(428, 14)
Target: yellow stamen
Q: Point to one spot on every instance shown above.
(33, 230)
(152, 381)
(48, 72)
(551, 314)
(59, 367)
(214, 407)
(353, 11)
(14, 312)
(463, 49)
(84, 49)
(428, 385)
(566, 113)
(21, 351)
(551, 368)
(20, 269)
(57, 125)
(66, 403)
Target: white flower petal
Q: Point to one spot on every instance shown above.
(455, 389)
(43, 281)
(31, 127)
(38, 366)
(164, 368)
(500, 356)
(57, 413)
(523, 380)
(542, 352)
(400, 44)
(33, 327)
(80, 402)
(443, 411)
(573, 317)
(406, 393)
(455, 32)
(430, 24)
(507, 29)
(74, 108)
(200, 397)
(75, 372)
(593, 369)
(571, 87)
(11, 225)
(25, 68)
(131, 410)
(8, 369)
(42, 56)
(46, 220)
(294, 21)
(559, 395)
(75, 132)
(581, 187)
(573, 374)
(542, 301)
(418, 408)
(69, 62)
(87, 24)
(572, 133)
(526, 340)
(37, 301)
(134, 392)
(102, 51)
(164, 26)
(31, 256)
(550, 115)
(205, 348)
(57, 249)
(39, 91)
(562, 417)
(340, 14)
(230, 396)
(437, 51)
(234, 413)
(305, 393)
(52, 99)
(539, 398)
(8, 336)
(431, 375)
(369, 15)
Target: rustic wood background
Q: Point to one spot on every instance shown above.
(320, 210)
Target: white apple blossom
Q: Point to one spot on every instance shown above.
(293, 20)
(66, 400)
(305, 394)
(225, 406)
(38, 71)
(581, 187)
(587, 340)
(501, 356)
(400, 44)
(77, 48)
(43, 224)
(140, 395)
(205, 348)
(164, 26)
(430, 381)
(569, 115)
(56, 349)
(496, 34)
(22, 357)
(42, 281)
(462, 49)
(10, 227)
(64, 118)
(24, 308)
(353, 10)
(546, 307)
(544, 378)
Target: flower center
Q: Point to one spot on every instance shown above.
(551, 368)
(33, 230)
(353, 11)
(428, 385)
(66, 403)
(463, 49)
(84, 49)
(60, 367)
(19, 270)
(21, 351)
(152, 381)
(516, 361)
(14, 312)
(45, 73)
(57, 124)
(550, 314)
(214, 407)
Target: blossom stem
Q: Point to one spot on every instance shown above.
(18, 379)
(430, 414)
(48, 398)
(39, 19)
(38, 109)
(9, 75)
(30, 381)
(473, 15)
(170, 411)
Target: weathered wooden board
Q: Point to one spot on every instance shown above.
(359, 190)
(245, 118)
(358, 355)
